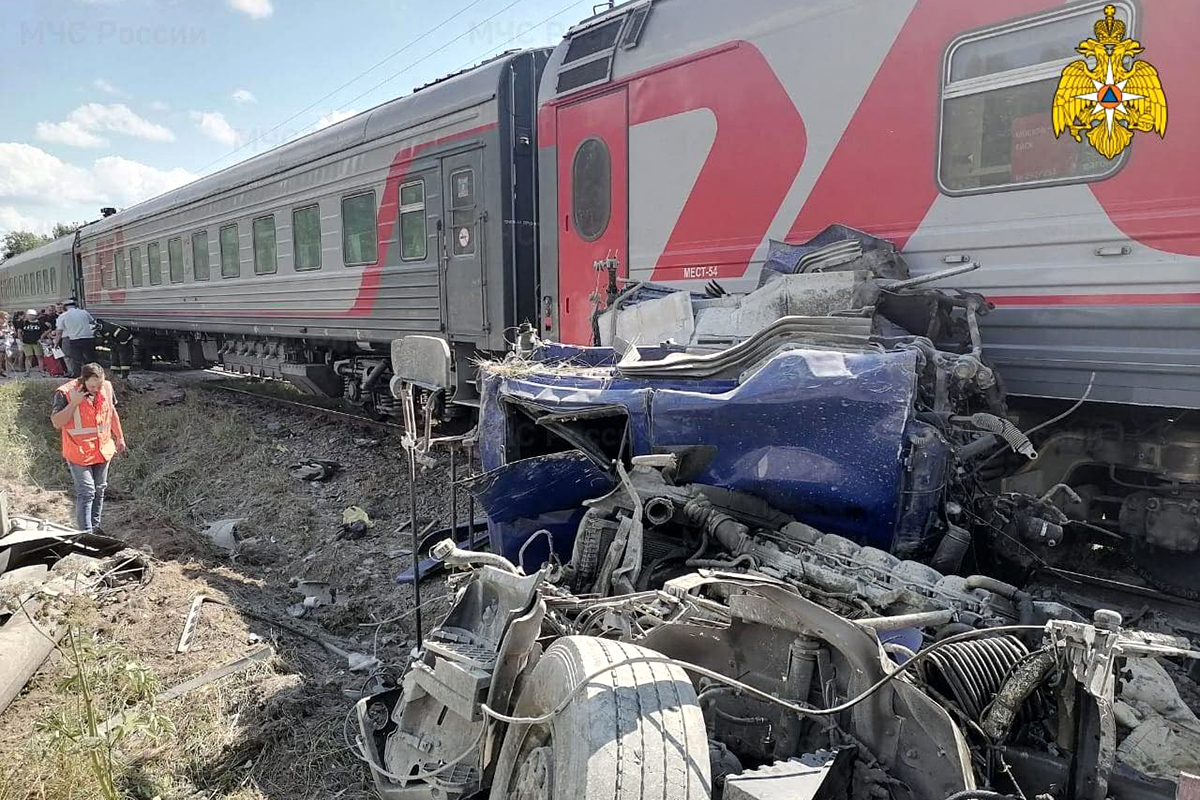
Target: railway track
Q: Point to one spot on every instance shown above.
(210, 379)
(329, 412)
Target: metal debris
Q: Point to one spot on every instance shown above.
(222, 533)
(315, 470)
(189, 624)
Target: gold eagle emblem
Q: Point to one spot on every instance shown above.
(1107, 102)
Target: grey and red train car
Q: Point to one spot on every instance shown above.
(677, 138)
(305, 262)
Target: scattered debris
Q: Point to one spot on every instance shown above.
(316, 594)
(225, 670)
(356, 662)
(355, 523)
(189, 625)
(222, 533)
(315, 470)
(42, 567)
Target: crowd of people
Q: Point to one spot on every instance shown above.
(58, 340)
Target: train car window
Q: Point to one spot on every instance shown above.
(589, 56)
(306, 238)
(413, 241)
(462, 212)
(592, 41)
(359, 237)
(119, 268)
(265, 256)
(200, 265)
(997, 85)
(135, 266)
(154, 262)
(637, 24)
(106, 281)
(175, 259)
(231, 260)
(54, 279)
(591, 188)
(41, 282)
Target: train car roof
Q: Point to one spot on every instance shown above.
(57, 247)
(461, 90)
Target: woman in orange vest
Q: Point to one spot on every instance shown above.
(85, 411)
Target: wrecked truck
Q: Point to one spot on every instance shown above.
(734, 554)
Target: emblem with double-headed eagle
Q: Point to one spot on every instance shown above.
(1108, 102)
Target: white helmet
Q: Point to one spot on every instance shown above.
(32, 311)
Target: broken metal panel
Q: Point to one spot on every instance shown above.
(518, 503)
(820, 435)
(429, 740)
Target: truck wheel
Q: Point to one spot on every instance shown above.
(635, 733)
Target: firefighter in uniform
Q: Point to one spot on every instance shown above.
(85, 411)
(119, 341)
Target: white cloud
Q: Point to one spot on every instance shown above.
(159, 106)
(105, 86)
(124, 182)
(214, 125)
(244, 96)
(83, 126)
(333, 117)
(30, 176)
(255, 9)
(13, 220)
(68, 133)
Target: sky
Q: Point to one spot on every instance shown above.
(111, 102)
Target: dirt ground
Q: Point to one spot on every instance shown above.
(276, 731)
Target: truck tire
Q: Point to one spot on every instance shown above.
(635, 733)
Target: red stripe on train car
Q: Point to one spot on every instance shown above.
(368, 288)
(759, 147)
(372, 274)
(891, 141)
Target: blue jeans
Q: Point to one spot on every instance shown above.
(90, 483)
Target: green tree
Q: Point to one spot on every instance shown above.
(17, 242)
(62, 229)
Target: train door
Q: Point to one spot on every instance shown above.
(463, 244)
(77, 281)
(593, 176)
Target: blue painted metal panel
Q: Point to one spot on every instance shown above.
(820, 435)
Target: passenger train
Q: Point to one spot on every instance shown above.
(676, 139)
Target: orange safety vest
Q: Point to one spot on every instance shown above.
(87, 438)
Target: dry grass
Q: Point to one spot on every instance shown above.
(273, 733)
